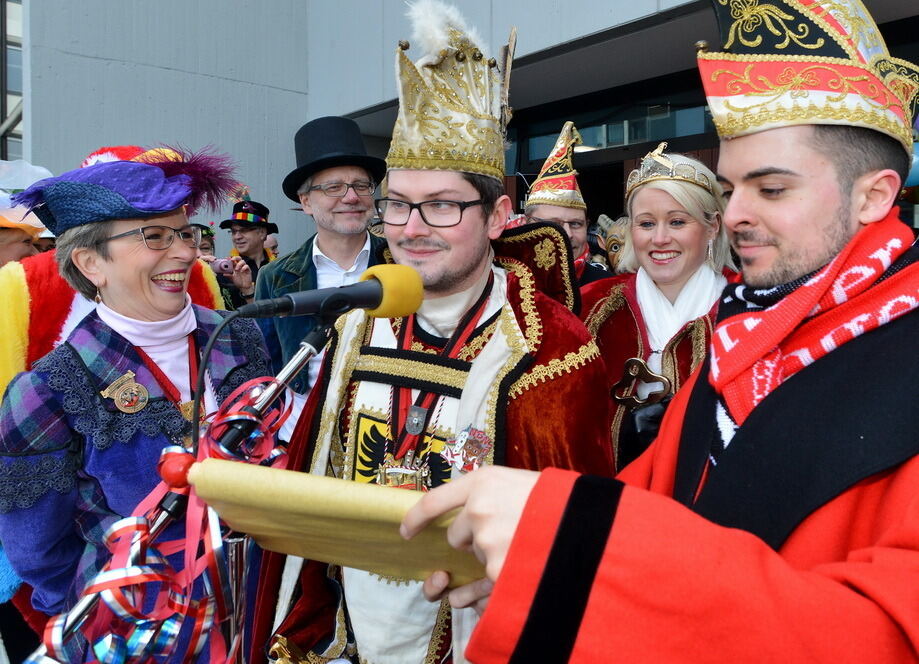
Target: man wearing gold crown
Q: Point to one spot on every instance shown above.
(776, 517)
(488, 371)
(556, 198)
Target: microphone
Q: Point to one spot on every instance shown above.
(386, 291)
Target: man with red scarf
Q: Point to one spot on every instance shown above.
(556, 198)
(776, 517)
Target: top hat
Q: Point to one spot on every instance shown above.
(326, 142)
(249, 213)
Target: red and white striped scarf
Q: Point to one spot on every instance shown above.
(753, 352)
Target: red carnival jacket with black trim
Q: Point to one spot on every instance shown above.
(801, 545)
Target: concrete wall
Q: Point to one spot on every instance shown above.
(209, 72)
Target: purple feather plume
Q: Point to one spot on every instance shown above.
(211, 174)
(31, 197)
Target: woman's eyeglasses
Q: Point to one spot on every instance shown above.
(162, 237)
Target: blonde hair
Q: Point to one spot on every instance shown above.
(703, 206)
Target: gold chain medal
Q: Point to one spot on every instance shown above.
(128, 395)
(187, 408)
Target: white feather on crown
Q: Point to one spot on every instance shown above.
(431, 23)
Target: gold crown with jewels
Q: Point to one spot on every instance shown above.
(453, 101)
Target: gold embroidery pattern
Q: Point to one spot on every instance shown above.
(511, 332)
(340, 647)
(443, 620)
(552, 234)
(468, 352)
(556, 367)
(533, 326)
(284, 652)
(669, 365)
(557, 183)
(604, 308)
(798, 83)
(545, 256)
(452, 111)
(702, 329)
(475, 345)
(857, 25)
(749, 16)
(740, 123)
(903, 79)
(403, 368)
(328, 423)
(419, 347)
(886, 84)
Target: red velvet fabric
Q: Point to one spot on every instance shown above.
(562, 422)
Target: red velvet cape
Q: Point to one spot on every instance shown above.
(610, 310)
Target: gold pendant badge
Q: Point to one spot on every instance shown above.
(129, 395)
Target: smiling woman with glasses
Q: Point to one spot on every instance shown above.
(118, 390)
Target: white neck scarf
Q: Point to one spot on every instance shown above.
(150, 334)
(664, 319)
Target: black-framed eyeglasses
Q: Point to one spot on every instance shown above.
(575, 225)
(439, 214)
(340, 189)
(162, 237)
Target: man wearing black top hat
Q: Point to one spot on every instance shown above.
(334, 183)
(248, 226)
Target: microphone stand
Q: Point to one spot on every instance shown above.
(311, 346)
(172, 506)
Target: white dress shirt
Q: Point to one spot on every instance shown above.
(330, 274)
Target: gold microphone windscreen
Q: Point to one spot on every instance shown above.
(402, 290)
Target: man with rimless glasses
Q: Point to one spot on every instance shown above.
(333, 182)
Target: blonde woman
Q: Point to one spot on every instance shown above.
(653, 322)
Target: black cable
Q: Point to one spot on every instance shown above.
(199, 384)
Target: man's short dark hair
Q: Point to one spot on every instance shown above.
(488, 188)
(856, 151)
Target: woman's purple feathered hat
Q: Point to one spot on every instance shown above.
(163, 181)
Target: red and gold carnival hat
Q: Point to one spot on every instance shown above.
(795, 62)
(557, 183)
